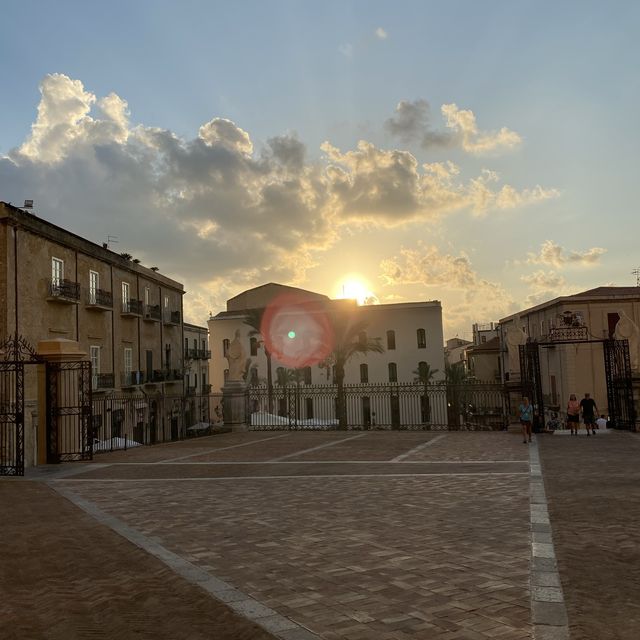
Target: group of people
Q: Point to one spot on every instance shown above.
(587, 407)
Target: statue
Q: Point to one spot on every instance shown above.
(627, 329)
(514, 338)
(237, 359)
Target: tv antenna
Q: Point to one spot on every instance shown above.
(636, 273)
(110, 240)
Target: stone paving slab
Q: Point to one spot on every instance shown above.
(491, 445)
(379, 557)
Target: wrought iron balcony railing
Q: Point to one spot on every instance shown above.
(132, 307)
(172, 317)
(191, 391)
(152, 312)
(204, 354)
(64, 290)
(191, 354)
(132, 378)
(99, 298)
(102, 381)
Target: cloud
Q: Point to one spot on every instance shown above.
(554, 255)
(214, 211)
(463, 123)
(412, 123)
(381, 33)
(476, 298)
(541, 280)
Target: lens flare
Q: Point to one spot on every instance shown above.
(296, 331)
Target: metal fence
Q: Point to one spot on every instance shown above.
(125, 421)
(472, 406)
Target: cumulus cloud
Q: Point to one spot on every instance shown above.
(554, 255)
(213, 211)
(381, 33)
(480, 299)
(463, 123)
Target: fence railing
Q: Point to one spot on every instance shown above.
(477, 406)
(126, 421)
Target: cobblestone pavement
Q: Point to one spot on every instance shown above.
(593, 490)
(359, 536)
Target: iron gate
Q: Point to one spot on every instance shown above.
(15, 352)
(530, 379)
(617, 366)
(69, 430)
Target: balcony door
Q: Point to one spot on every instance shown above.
(57, 271)
(95, 365)
(94, 285)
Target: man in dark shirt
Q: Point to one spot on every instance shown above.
(589, 412)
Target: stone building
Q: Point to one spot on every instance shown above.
(571, 329)
(124, 317)
(410, 332)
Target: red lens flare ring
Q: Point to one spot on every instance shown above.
(297, 332)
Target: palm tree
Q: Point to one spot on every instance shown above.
(424, 375)
(349, 339)
(254, 320)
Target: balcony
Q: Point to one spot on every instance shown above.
(102, 381)
(152, 313)
(191, 391)
(164, 375)
(172, 317)
(131, 379)
(197, 354)
(100, 300)
(204, 354)
(206, 388)
(132, 308)
(64, 291)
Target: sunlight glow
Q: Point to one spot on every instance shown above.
(355, 287)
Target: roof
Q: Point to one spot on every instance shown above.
(599, 294)
(259, 297)
(488, 346)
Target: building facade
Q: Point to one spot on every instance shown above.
(410, 333)
(126, 318)
(571, 328)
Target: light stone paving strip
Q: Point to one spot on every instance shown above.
(320, 446)
(233, 446)
(420, 447)
(244, 605)
(549, 614)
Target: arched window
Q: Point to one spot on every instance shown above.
(423, 367)
(364, 373)
(253, 346)
(393, 372)
(422, 339)
(226, 375)
(391, 339)
(225, 347)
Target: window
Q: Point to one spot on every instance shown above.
(167, 356)
(186, 346)
(195, 344)
(195, 380)
(226, 375)
(128, 362)
(422, 339)
(95, 365)
(94, 285)
(204, 380)
(612, 321)
(391, 339)
(364, 373)
(166, 303)
(393, 372)
(149, 357)
(254, 376)
(147, 296)
(253, 346)
(483, 339)
(307, 375)
(423, 368)
(225, 347)
(57, 271)
(125, 296)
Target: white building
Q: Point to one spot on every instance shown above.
(410, 332)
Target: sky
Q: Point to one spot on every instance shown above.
(480, 154)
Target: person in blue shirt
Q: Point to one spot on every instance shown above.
(526, 418)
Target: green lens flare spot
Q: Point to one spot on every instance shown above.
(291, 334)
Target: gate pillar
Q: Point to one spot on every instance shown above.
(54, 350)
(234, 410)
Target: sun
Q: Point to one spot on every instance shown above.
(354, 287)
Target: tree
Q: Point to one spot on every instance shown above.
(455, 378)
(254, 320)
(424, 375)
(349, 339)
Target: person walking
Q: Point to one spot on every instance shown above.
(589, 411)
(526, 418)
(573, 414)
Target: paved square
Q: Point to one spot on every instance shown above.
(349, 535)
